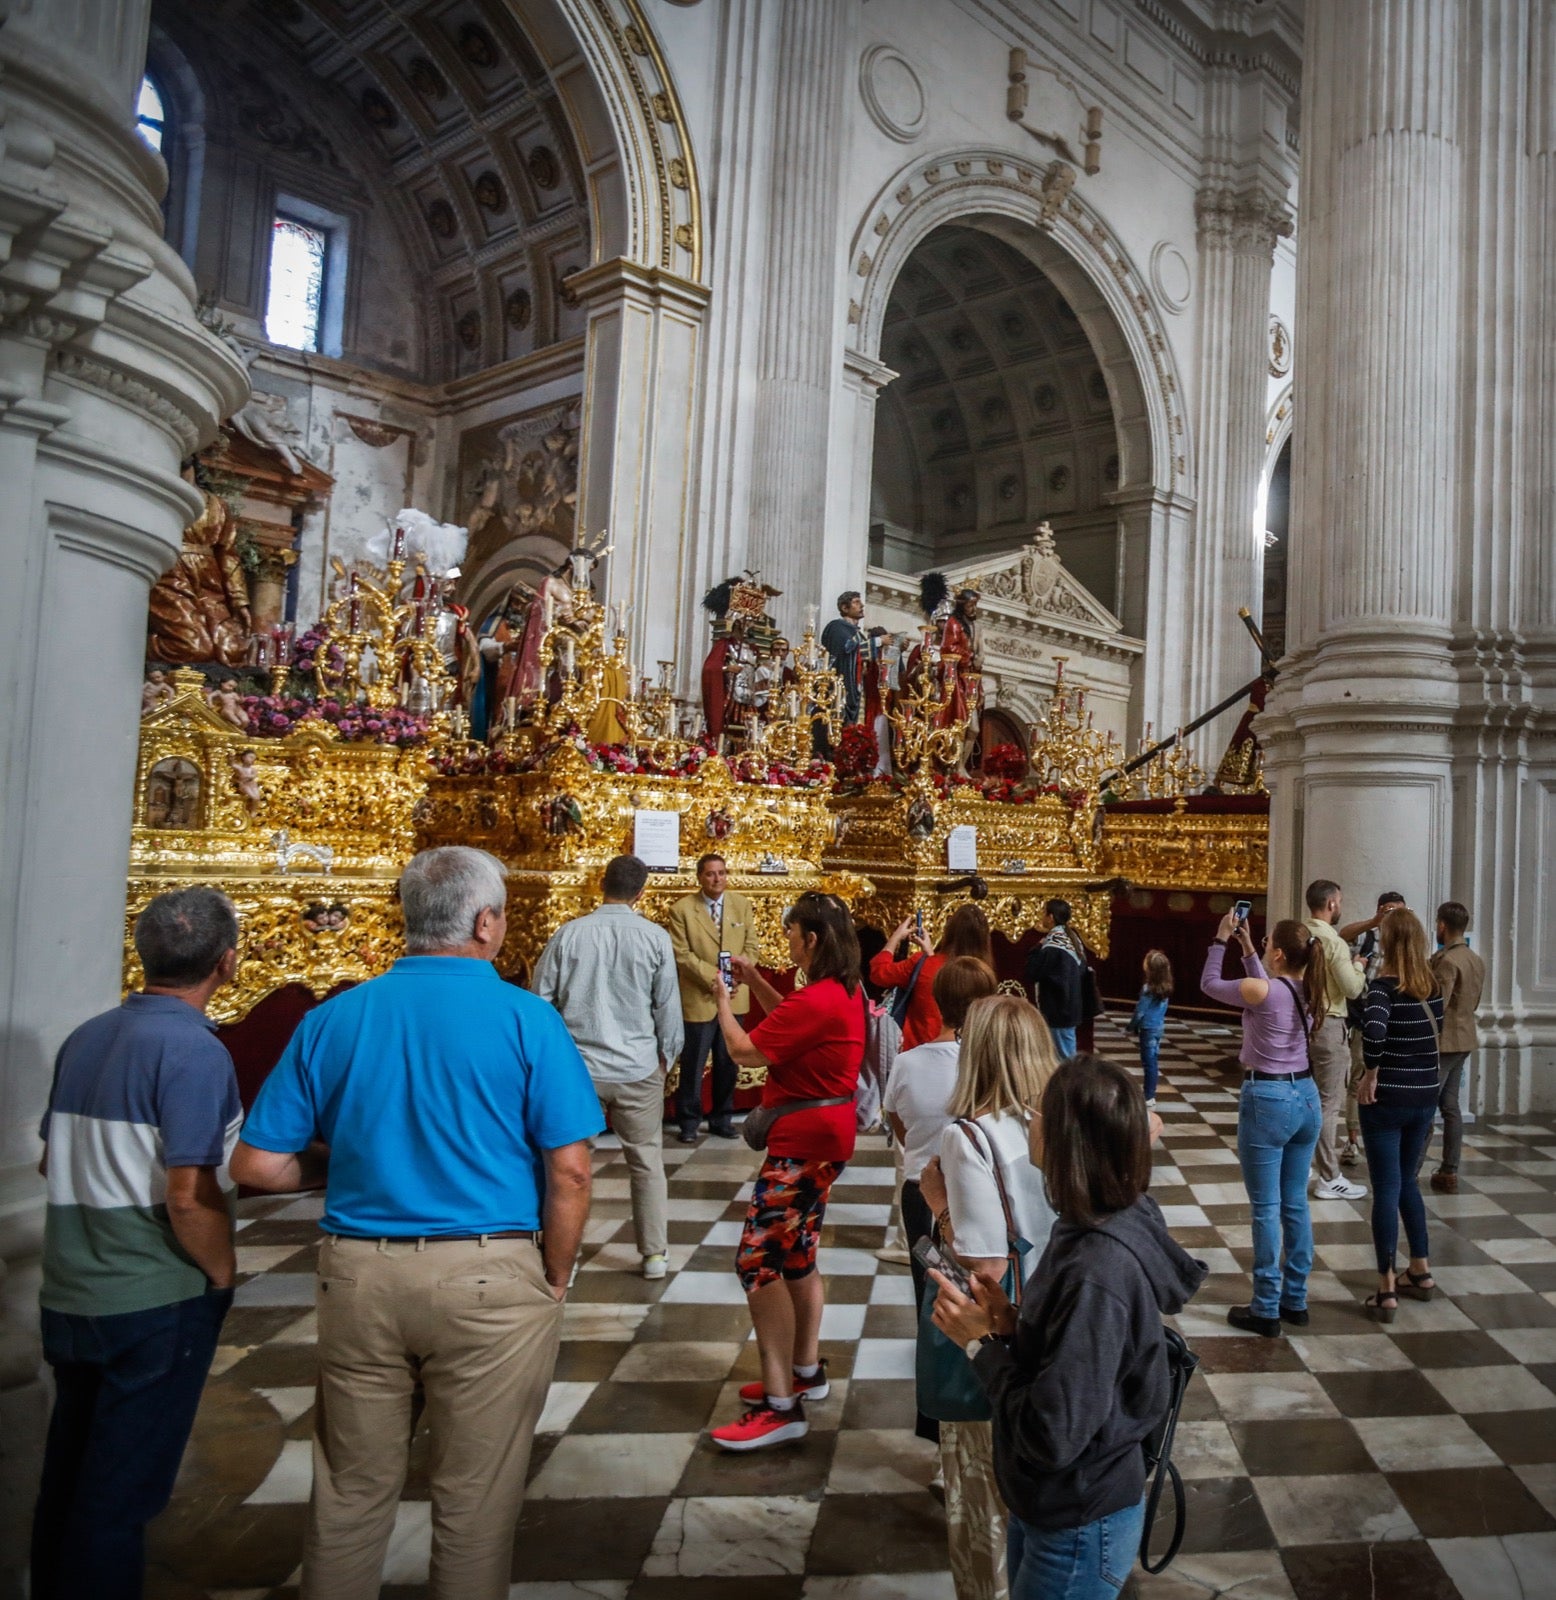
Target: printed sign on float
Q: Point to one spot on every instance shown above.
(961, 849)
(656, 839)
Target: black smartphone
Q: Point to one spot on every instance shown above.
(727, 970)
(932, 1260)
(1241, 911)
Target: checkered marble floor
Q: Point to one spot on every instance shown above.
(1416, 1461)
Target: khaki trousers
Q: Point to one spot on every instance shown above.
(1330, 1057)
(637, 1118)
(974, 1513)
(478, 1325)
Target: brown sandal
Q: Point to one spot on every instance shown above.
(1382, 1305)
(1417, 1285)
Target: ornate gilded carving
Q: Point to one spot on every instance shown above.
(1188, 850)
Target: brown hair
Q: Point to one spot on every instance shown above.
(1319, 893)
(1453, 916)
(958, 983)
(1304, 957)
(1158, 974)
(1006, 1058)
(1096, 1141)
(1404, 954)
(706, 857)
(967, 934)
(837, 945)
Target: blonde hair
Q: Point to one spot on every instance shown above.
(1404, 954)
(1007, 1057)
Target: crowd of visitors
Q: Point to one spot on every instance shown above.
(1042, 1268)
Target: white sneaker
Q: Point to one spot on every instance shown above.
(1339, 1189)
(1150, 1105)
(895, 1254)
(655, 1267)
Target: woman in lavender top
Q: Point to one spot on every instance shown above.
(1282, 999)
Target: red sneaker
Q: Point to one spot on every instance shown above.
(816, 1388)
(762, 1426)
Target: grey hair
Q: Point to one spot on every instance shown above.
(443, 891)
(182, 936)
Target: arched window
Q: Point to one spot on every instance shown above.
(150, 118)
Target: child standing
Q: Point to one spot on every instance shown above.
(1150, 1015)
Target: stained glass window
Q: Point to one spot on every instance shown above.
(150, 119)
(295, 305)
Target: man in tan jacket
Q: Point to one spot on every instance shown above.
(1461, 975)
(701, 925)
(1328, 1052)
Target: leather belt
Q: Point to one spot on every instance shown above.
(1277, 1077)
(420, 1240)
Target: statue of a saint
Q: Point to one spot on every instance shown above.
(200, 607)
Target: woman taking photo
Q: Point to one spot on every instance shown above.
(1397, 1101)
(1282, 999)
(1079, 1379)
(812, 1046)
(966, 934)
(1007, 1058)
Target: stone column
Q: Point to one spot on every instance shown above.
(1238, 227)
(640, 409)
(864, 378)
(1358, 730)
(801, 317)
(106, 382)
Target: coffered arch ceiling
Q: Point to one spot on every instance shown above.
(1000, 415)
(441, 119)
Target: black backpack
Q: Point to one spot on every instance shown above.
(1159, 1470)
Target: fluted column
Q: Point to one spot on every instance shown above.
(1359, 723)
(800, 320)
(106, 382)
(1238, 227)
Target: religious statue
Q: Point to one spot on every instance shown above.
(846, 643)
(955, 614)
(245, 779)
(155, 692)
(498, 649)
(715, 684)
(200, 607)
(227, 703)
(553, 603)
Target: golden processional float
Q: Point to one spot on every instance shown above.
(305, 802)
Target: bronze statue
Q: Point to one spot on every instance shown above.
(200, 607)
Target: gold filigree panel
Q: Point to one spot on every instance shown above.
(1185, 850)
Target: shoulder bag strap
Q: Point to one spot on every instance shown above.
(1302, 1017)
(977, 1138)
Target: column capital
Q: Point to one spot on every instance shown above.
(1246, 219)
(865, 373)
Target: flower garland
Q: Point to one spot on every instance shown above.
(273, 716)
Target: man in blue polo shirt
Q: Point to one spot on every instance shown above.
(447, 1115)
(138, 1261)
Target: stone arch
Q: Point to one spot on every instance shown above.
(619, 99)
(1033, 211)
(1278, 429)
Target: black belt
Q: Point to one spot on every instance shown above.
(1277, 1077)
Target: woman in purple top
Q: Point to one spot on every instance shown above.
(1278, 1117)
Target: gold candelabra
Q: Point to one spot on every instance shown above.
(400, 634)
(814, 696)
(1068, 751)
(1167, 775)
(919, 720)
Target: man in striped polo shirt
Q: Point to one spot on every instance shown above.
(138, 1260)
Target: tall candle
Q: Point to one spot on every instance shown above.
(397, 548)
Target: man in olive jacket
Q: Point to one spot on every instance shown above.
(701, 925)
(1461, 975)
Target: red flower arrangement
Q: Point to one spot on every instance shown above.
(856, 752)
(1007, 761)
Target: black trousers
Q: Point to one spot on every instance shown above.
(701, 1037)
(918, 1222)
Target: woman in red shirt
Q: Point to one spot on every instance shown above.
(966, 934)
(812, 1045)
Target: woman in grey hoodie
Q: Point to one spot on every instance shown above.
(1080, 1380)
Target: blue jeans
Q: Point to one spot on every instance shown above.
(1395, 1139)
(1064, 1041)
(126, 1390)
(1150, 1047)
(1277, 1129)
(1091, 1562)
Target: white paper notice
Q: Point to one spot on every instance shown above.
(961, 849)
(656, 839)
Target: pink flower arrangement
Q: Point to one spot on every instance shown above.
(273, 716)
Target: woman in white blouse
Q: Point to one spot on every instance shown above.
(1007, 1057)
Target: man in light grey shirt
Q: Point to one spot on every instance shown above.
(612, 976)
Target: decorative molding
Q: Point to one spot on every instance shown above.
(874, 65)
(1171, 277)
(1246, 221)
(129, 391)
(1280, 348)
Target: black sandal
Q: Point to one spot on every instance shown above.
(1418, 1285)
(1382, 1305)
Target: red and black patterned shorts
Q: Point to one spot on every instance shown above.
(783, 1223)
